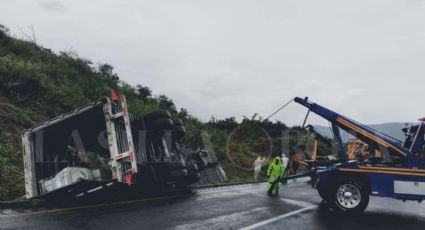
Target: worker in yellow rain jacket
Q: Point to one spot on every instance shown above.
(275, 173)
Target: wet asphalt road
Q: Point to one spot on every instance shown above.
(234, 207)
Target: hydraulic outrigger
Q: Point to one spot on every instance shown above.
(398, 173)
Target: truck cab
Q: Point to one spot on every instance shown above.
(397, 172)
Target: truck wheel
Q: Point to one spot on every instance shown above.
(178, 122)
(160, 124)
(349, 196)
(179, 131)
(155, 115)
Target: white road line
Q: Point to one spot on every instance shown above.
(271, 220)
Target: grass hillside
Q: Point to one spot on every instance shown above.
(37, 84)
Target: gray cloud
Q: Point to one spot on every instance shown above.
(53, 5)
(233, 58)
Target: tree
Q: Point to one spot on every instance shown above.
(228, 124)
(143, 91)
(107, 72)
(183, 114)
(31, 37)
(166, 103)
(3, 31)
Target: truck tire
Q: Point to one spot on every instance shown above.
(160, 124)
(349, 195)
(179, 173)
(193, 167)
(179, 131)
(155, 115)
(178, 122)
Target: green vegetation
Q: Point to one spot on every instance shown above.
(37, 84)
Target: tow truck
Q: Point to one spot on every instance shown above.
(398, 172)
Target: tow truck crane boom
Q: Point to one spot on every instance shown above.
(358, 130)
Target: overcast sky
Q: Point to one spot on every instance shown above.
(363, 58)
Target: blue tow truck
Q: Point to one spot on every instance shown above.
(398, 172)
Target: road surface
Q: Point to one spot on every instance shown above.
(233, 207)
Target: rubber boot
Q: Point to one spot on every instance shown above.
(270, 191)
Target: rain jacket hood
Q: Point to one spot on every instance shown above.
(277, 159)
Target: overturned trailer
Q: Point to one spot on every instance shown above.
(102, 145)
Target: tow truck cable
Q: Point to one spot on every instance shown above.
(303, 126)
(283, 106)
